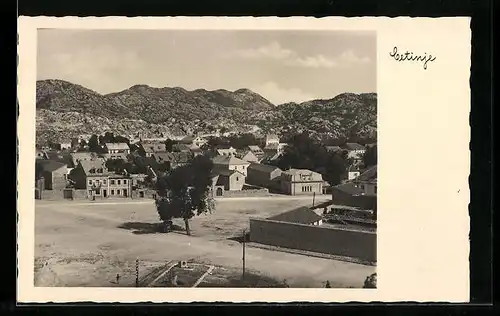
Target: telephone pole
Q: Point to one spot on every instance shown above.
(314, 197)
(244, 241)
(136, 272)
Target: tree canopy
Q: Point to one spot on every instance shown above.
(304, 152)
(370, 156)
(185, 192)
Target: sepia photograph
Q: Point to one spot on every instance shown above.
(206, 158)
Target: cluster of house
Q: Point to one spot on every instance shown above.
(234, 170)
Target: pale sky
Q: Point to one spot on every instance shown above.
(282, 66)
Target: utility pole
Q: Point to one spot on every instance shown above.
(136, 272)
(244, 242)
(314, 197)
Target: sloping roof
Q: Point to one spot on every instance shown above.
(272, 146)
(228, 160)
(228, 173)
(50, 165)
(96, 164)
(64, 157)
(255, 149)
(182, 157)
(301, 215)
(354, 146)
(369, 174)
(272, 136)
(163, 157)
(349, 188)
(333, 148)
(187, 139)
(181, 147)
(262, 167)
(117, 146)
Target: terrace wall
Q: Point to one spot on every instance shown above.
(360, 244)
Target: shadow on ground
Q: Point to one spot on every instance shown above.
(150, 228)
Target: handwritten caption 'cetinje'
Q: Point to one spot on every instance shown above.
(410, 57)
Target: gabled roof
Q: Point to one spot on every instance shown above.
(333, 148)
(187, 139)
(181, 147)
(255, 149)
(228, 173)
(354, 146)
(369, 174)
(63, 157)
(117, 146)
(163, 157)
(301, 215)
(93, 165)
(228, 160)
(262, 167)
(50, 165)
(349, 188)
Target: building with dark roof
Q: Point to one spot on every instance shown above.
(301, 215)
(301, 182)
(232, 180)
(54, 174)
(262, 175)
(230, 163)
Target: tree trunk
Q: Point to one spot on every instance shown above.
(186, 223)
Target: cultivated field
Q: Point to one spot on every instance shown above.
(89, 243)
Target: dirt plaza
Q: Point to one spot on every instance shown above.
(89, 243)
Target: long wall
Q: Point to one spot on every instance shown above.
(348, 243)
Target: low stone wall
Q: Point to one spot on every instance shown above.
(358, 244)
(247, 193)
(52, 195)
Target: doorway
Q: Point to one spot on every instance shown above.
(105, 193)
(125, 192)
(219, 192)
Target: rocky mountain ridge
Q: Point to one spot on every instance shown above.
(67, 110)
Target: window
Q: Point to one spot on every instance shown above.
(362, 187)
(124, 181)
(104, 181)
(112, 192)
(237, 178)
(119, 182)
(112, 181)
(90, 182)
(118, 192)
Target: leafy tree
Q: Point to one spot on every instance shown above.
(94, 144)
(328, 284)
(242, 141)
(75, 142)
(370, 156)
(121, 139)
(38, 171)
(83, 143)
(304, 152)
(185, 192)
(108, 137)
(371, 281)
(169, 143)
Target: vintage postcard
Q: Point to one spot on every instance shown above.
(243, 159)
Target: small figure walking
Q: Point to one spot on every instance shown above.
(328, 284)
(117, 278)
